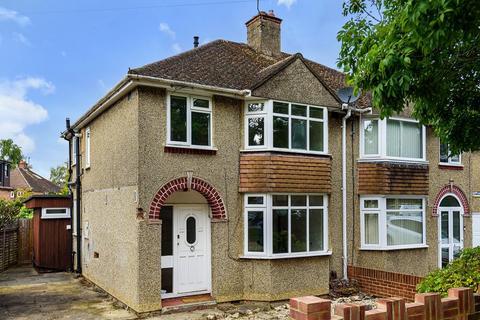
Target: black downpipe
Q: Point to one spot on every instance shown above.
(77, 204)
(69, 179)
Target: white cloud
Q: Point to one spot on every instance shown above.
(286, 3)
(165, 28)
(21, 38)
(18, 111)
(176, 48)
(11, 15)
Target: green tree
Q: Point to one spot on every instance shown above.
(422, 53)
(10, 151)
(59, 176)
(9, 210)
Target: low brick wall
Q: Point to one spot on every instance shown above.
(384, 284)
(461, 304)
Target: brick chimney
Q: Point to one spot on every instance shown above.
(263, 33)
(23, 164)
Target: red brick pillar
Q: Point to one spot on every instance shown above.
(433, 305)
(310, 308)
(466, 303)
(350, 311)
(415, 311)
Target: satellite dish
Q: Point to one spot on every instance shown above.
(347, 96)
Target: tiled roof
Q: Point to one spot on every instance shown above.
(233, 65)
(26, 178)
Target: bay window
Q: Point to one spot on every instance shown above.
(392, 222)
(282, 225)
(189, 121)
(392, 138)
(286, 127)
(446, 156)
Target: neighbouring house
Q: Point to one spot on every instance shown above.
(233, 170)
(6, 191)
(24, 180)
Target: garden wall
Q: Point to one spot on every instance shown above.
(461, 304)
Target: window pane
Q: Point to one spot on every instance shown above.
(411, 140)
(255, 200)
(299, 230)
(56, 211)
(404, 228)
(315, 201)
(316, 136)
(256, 132)
(200, 129)
(280, 132)
(298, 201)
(455, 158)
(370, 137)
(299, 110)
(369, 204)
(255, 231)
(191, 230)
(444, 223)
(280, 107)
(449, 201)
(456, 226)
(299, 134)
(444, 152)
(280, 231)
(393, 138)
(371, 228)
(316, 113)
(316, 230)
(256, 107)
(167, 230)
(404, 204)
(201, 103)
(280, 200)
(445, 257)
(178, 119)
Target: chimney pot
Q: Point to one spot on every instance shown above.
(271, 13)
(22, 164)
(195, 41)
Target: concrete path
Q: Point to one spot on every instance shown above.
(26, 294)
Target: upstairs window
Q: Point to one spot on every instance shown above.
(286, 126)
(87, 148)
(446, 156)
(189, 121)
(392, 138)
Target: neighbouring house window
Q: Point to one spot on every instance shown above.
(5, 167)
(446, 156)
(189, 121)
(55, 213)
(402, 139)
(74, 151)
(392, 222)
(286, 126)
(87, 148)
(74, 218)
(282, 225)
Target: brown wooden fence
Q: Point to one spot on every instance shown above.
(16, 244)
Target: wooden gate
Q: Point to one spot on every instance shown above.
(25, 241)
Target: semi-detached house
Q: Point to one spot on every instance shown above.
(223, 171)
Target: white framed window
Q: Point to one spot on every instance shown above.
(55, 213)
(392, 138)
(12, 194)
(74, 150)
(5, 167)
(87, 147)
(392, 222)
(285, 126)
(189, 121)
(285, 225)
(74, 217)
(446, 156)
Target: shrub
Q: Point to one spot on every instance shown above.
(461, 272)
(8, 212)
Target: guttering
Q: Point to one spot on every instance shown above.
(349, 109)
(133, 80)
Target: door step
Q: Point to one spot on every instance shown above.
(189, 303)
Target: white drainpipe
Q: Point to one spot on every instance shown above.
(344, 181)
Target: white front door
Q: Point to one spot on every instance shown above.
(192, 249)
(451, 234)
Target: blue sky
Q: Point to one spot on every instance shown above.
(60, 57)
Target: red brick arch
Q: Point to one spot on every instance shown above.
(180, 184)
(451, 189)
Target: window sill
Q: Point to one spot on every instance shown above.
(289, 256)
(189, 150)
(450, 166)
(421, 246)
(405, 161)
(294, 152)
